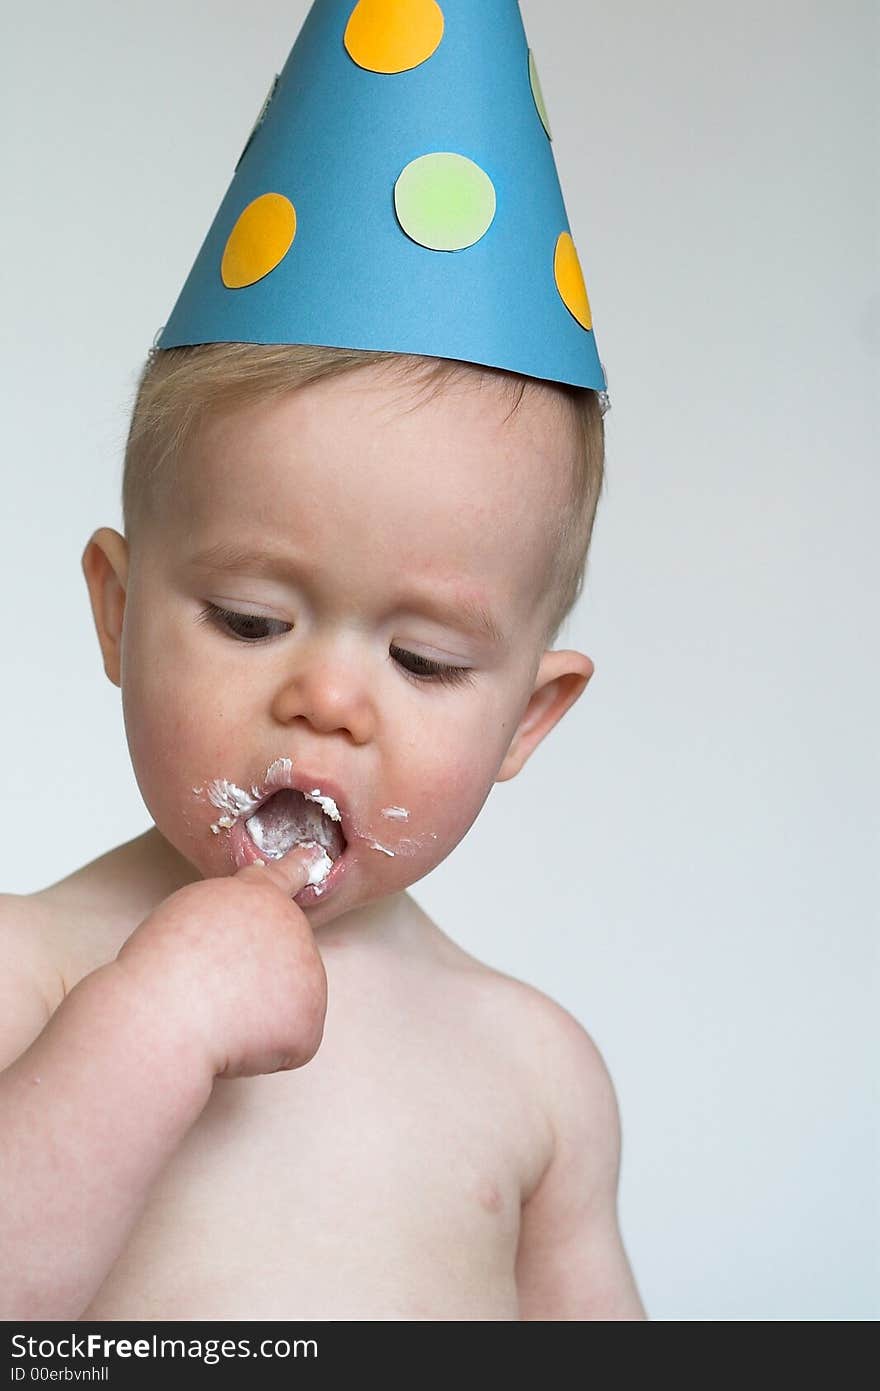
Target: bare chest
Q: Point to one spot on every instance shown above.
(375, 1183)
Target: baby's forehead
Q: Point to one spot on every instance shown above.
(475, 470)
(475, 427)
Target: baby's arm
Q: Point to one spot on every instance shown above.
(571, 1263)
(222, 979)
(90, 1112)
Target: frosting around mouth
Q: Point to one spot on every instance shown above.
(289, 818)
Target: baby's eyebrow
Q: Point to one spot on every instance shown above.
(231, 556)
(462, 610)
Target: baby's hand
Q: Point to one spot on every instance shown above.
(235, 957)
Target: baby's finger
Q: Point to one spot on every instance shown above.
(300, 866)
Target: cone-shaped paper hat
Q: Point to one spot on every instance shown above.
(399, 193)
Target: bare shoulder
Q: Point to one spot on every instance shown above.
(31, 983)
(562, 1070)
(27, 942)
(568, 1072)
(572, 1068)
(567, 1064)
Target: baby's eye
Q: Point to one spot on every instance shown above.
(424, 670)
(243, 625)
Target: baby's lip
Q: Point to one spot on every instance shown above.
(246, 852)
(316, 788)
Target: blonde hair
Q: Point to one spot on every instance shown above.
(177, 386)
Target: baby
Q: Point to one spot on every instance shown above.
(237, 1085)
(242, 1074)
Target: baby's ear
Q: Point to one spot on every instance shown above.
(105, 566)
(561, 680)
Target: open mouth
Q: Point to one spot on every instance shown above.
(287, 818)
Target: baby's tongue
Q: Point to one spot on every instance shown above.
(288, 818)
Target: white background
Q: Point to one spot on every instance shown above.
(686, 863)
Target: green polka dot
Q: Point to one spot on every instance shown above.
(444, 201)
(538, 94)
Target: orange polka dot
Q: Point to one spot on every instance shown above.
(393, 35)
(259, 241)
(570, 280)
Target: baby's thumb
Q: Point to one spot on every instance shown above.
(302, 865)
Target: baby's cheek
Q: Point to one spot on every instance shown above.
(444, 805)
(172, 741)
(161, 722)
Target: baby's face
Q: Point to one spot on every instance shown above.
(378, 525)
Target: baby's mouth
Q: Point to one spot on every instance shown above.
(288, 817)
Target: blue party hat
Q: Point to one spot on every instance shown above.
(398, 193)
